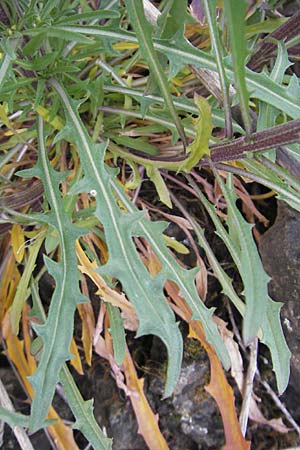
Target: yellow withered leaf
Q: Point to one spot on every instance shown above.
(18, 242)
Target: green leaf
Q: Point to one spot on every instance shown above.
(7, 60)
(83, 17)
(144, 35)
(144, 291)
(185, 279)
(140, 144)
(249, 264)
(160, 185)
(272, 334)
(268, 178)
(274, 338)
(55, 335)
(117, 333)
(14, 419)
(61, 34)
(39, 62)
(85, 420)
(235, 11)
(39, 93)
(203, 126)
(268, 114)
(209, 7)
(33, 44)
(180, 53)
(83, 411)
(20, 296)
(181, 103)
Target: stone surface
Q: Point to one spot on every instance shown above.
(280, 252)
(190, 416)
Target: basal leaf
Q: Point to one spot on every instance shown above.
(273, 337)
(13, 419)
(56, 336)
(7, 60)
(235, 11)
(249, 265)
(144, 291)
(209, 7)
(86, 16)
(21, 292)
(180, 53)
(268, 114)
(272, 334)
(83, 411)
(185, 279)
(144, 35)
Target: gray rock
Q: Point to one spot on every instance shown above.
(280, 251)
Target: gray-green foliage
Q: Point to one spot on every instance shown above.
(52, 47)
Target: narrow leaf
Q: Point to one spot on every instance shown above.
(117, 333)
(144, 36)
(21, 292)
(235, 11)
(185, 279)
(56, 337)
(180, 53)
(272, 334)
(209, 7)
(83, 411)
(7, 60)
(60, 433)
(249, 264)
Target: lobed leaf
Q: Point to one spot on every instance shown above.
(180, 53)
(55, 335)
(185, 279)
(83, 411)
(144, 291)
(271, 332)
(248, 262)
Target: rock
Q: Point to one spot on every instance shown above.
(190, 416)
(280, 251)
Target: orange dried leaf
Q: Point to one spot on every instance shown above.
(88, 328)
(76, 361)
(9, 282)
(222, 392)
(147, 420)
(109, 295)
(218, 387)
(61, 434)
